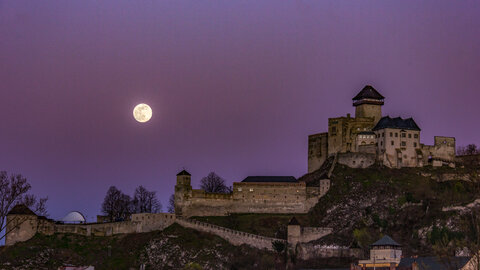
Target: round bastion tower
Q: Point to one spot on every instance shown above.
(183, 190)
(368, 103)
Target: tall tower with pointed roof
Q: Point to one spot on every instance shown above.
(368, 103)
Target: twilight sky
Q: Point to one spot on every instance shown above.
(235, 86)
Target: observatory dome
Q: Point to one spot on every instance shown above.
(74, 217)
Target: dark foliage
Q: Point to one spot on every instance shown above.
(145, 201)
(116, 205)
(213, 183)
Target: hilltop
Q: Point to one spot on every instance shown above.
(416, 206)
(364, 204)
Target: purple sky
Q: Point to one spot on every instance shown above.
(236, 86)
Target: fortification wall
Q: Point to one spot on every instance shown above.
(247, 198)
(308, 251)
(23, 227)
(235, 238)
(356, 160)
(313, 233)
(317, 150)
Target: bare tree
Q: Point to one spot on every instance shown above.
(470, 149)
(145, 201)
(171, 204)
(213, 183)
(116, 205)
(36, 205)
(13, 191)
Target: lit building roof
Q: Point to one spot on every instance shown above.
(398, 123)
(274, 179)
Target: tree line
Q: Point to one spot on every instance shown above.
(118, 206)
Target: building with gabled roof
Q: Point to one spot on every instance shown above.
(255, 194)
(369, 138)
(386, 254)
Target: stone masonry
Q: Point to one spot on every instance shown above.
(280, 195)
(393, 142)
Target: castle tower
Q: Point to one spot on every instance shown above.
(294, 232)
(368, 103)
(21, 224)
(183, 189)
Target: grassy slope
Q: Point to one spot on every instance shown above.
(178, 247)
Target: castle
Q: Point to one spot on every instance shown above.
(370, 138)
(358, 142)
(255, 194)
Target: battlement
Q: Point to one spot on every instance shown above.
(23, 227)
(282, 195)
(234, 237)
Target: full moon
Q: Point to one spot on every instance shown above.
(142, 113)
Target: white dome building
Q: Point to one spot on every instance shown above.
(74, 217)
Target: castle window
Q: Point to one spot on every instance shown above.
(239, 189)
(415, 136)
(391, 134)
(415, 144)
(393, 143)
(251, 189)
(404, 135)
(396, 134)
(409, 136)
(404, 144)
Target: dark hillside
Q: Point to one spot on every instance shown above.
(404, 203)
(172, 248)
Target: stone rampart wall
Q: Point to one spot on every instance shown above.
(23, 227)
(308, 251)
(313, 233)
(280, 198)
(356, 160)
(234, 237)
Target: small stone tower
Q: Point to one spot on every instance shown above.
(21, 224)
(183, 190)
(294, 232)
(368, 103)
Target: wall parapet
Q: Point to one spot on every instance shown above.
(234, 237)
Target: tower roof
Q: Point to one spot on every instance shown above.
(21, 209)
(293, 221)
(368, 92)
(184, 173)
(386, 241)
(397, 122)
